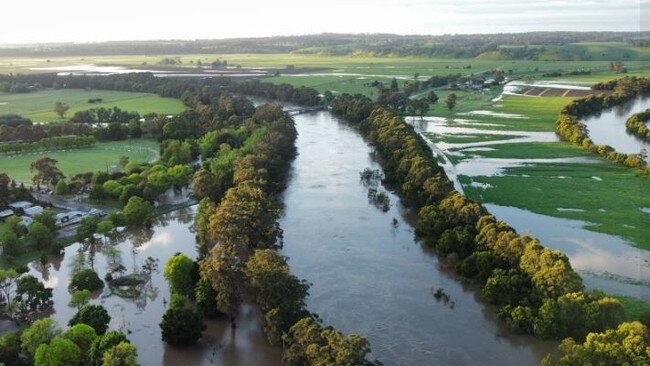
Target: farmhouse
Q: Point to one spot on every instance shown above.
(33, 211)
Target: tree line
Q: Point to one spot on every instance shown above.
(637, 125)
(536, 289)
(52, 143)
(569, 127)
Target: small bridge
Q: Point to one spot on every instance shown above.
(301, 110)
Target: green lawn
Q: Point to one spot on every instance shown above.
(39, 106)
(99, 157)
(533, 150)
(461, 138)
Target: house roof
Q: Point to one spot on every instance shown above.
(20, 204)
(6, 213)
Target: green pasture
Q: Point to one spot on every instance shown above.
(39, 106)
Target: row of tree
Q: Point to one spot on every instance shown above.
(239, 234)
(569, 127)
(637, 125)
(48, 144)
(537, 290)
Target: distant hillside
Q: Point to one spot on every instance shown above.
(536, 45)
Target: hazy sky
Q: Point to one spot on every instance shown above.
(84, 20)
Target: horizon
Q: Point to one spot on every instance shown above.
(290, 18)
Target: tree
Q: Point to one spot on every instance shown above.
(60, 352)
(180, 273)
(61, 188)
(48, 218)
(123, 354)
(223, 269)
(5, 189)
(11, 243)
(10, 348)
(32, 294)
(94, 315)
(276, 290)
(205, 185)
(432, 97)
(87, 227)
(394, 87)
(124, 161)
(42, 331)
(181, 326)
(7, 282)
(138, 211)
(86, 279)
(83, 335)
(628, 344)
(103, 344)
(206, 298)
(79, 299)
(105, 227)
(61, 109)
(451, 101)
(308, 343)
(40, 236)
(46, 171)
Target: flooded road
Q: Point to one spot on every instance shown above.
(369, 276)
(138, 313)
(608, 127)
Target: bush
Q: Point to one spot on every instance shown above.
(94, 315)
(181, 327)
(86, 279)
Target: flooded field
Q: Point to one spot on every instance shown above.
(138, 313)
(605, 261)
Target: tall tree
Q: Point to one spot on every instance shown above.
(46, 171)
(451, 101)
(61, 109)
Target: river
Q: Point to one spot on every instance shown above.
(369, 275)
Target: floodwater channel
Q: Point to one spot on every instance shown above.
(369, 275)
(608, 127)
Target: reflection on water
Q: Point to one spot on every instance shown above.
(608, 127)
(369, 276)
(139, 310)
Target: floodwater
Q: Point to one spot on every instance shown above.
(608, 127)
(138, 316)
(369, 275)
(604, 261)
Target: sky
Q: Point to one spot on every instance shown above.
(30, 21)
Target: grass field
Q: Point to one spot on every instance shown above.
(101, 156)
(533, 150)
(39, 106)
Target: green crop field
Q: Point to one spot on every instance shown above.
(101, 156)
(39, 106)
